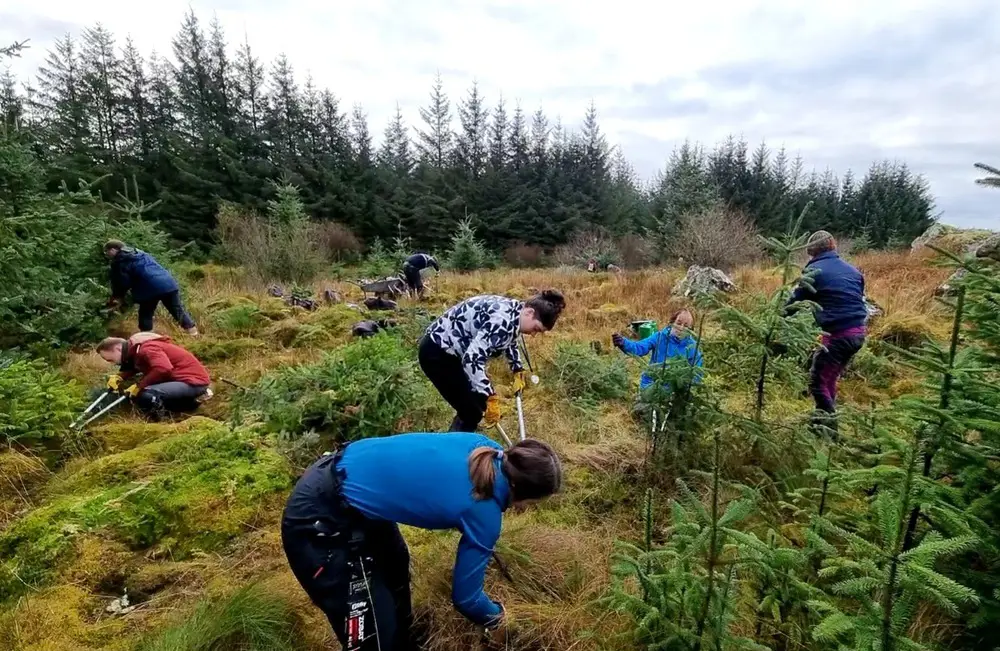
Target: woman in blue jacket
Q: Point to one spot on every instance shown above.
(150, 283)
(341, 519)
(675, 340)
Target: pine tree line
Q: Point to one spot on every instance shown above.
(214, 123)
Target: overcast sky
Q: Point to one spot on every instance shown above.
(841, 82)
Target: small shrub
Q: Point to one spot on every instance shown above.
(283, 245)
(467, 252)
(357, 391)
(251, 619)
(716, 238)
(523, 255)
(36, 403)
(585, 246)
(588, 377)
(337, 243)
(635, 252)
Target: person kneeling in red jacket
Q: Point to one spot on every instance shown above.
(172, 378)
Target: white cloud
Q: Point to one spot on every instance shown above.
(841, 83)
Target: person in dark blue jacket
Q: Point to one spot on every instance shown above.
(346, 507)
(150, 283)
(673, 341)
(839, 290)
(412, 267)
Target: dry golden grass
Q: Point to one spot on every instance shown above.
(557, 554)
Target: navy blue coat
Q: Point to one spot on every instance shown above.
(137, 270)
(839, 289)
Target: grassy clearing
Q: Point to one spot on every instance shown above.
(184, 512)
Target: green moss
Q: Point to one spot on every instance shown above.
(191, 492)
(217, 351)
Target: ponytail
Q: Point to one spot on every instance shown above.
(531, 467)
(482, 471)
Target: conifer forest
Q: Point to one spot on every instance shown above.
(725, 514)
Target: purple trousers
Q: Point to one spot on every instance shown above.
(828, 365)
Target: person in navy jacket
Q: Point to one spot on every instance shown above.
(673, 341)
(839, 290)
(150, 283)
(348, 505)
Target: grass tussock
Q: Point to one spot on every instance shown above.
(251, 619)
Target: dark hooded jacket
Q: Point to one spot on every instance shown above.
(137, 270)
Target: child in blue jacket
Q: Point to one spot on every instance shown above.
(675, 340)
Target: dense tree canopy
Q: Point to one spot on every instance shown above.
(214, 123)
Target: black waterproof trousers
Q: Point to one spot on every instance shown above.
(323, 537)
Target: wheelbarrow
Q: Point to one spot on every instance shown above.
(389, 287)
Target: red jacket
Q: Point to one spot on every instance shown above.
(161, 360)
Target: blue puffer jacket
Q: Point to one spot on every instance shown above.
(137, 270)
(664, 345)
(839, 289)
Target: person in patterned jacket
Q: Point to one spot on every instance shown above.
(454, 351)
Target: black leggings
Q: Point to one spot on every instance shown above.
(315, 531)
(446, 373)
(171, 301)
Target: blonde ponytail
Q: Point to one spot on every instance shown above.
(482, 471)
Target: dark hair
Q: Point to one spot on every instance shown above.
(113, 244)
(110, 343)
(531, 467)
(547, 305)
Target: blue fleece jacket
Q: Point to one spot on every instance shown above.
(137, 270)
(422, 480)
(664, 345)
(838, 288)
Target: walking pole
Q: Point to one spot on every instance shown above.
(89, 409)
(103, 411)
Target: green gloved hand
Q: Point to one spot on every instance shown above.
(132, 391)
(519, 381)
(114, 382)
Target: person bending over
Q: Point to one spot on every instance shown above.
(340, 528)
(172, 378)
(412, 268)
(150, 283)
(454, 350)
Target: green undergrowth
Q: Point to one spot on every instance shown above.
(36, 403)
(369, 387)
(192, 492)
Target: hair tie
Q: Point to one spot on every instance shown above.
(499, 455)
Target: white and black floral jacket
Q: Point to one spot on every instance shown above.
(476, 330)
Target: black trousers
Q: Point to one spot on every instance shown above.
(446, 373)
(171, 301)
(316, 533)
(412, 276)
(170, 396)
